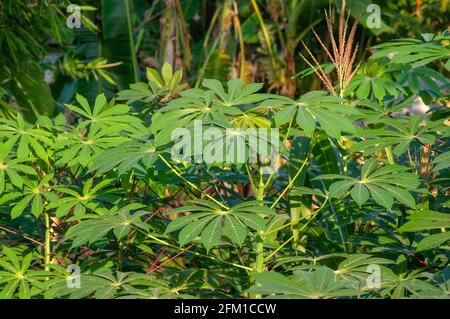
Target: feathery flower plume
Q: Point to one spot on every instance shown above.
(342, 54)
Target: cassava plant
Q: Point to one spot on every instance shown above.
(354, 206)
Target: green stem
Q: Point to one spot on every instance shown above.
(237, 25)
(259, 267)
(209, 53)
(295, 222)
(266, 39)
(290, 183)
(47, 244)
(389, 155)
(283, 145)
(301, 229)
(190, 183)
(281, 246)
(120, 255)
(130, 36)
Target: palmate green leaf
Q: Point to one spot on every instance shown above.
(238, 92)
(426, 220)
(126, 156)
(182, 112)
(250, 120)
(315, 107)
(11, 167)
(211, 106)
(182, 221)
(399, 133)
(381, 184)
(91, 230)
(29, 139)
(373, 80)
(88, 232)
(416, 52)
(373, 111)
(76, 147)
(431, 80)
(79, 200)
(35, 192)
(414, 285)
(227, 146)
(211, 222)
(318, 284)
(156, 88)
(138, 92)
(105, 115)
(21, 281)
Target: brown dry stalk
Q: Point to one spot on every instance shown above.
(342, 53)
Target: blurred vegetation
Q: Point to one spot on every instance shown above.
(44, 62)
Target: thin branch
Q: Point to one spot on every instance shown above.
(170, 259)
(20, 235)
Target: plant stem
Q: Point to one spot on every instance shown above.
(190, 183)
(131, 38)
(295, 222)
(209, 53)
(290, 183)
(266, 40)
(301, 229)
(237, 26)
(185, 37)
(259, 263)
(47, 244)
(281, 246)
(389, 155)
(120, 255)
(259, 267)
(20, 235)
(283, 145)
